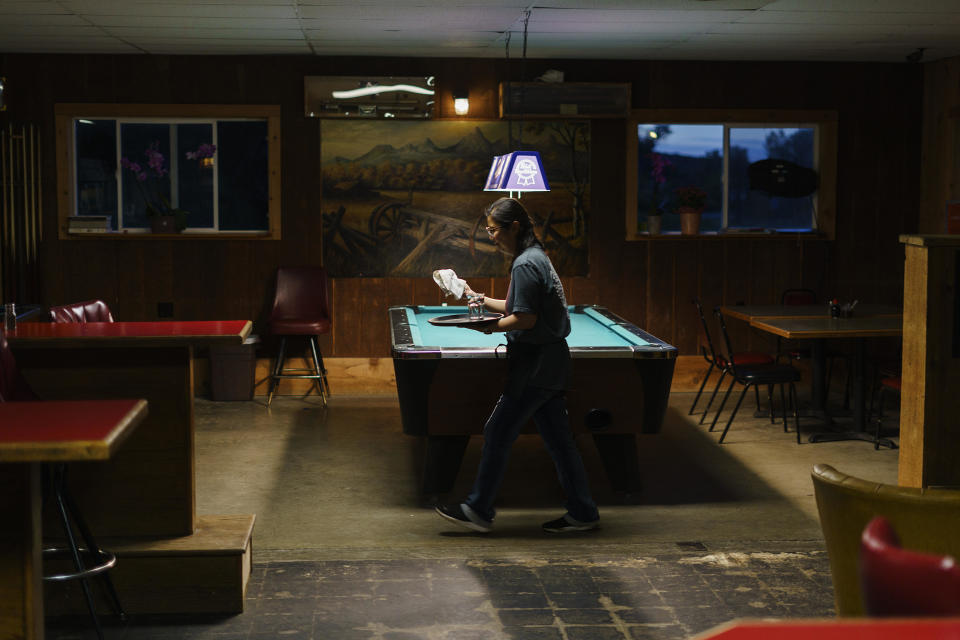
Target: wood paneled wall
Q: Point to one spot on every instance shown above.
(650, 282)
(941, 143)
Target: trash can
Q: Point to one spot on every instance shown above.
(233, 369)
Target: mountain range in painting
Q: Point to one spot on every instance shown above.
(473, 146)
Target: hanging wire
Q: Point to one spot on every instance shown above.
(509, 92)
(523, 71)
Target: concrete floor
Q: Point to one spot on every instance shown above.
(341, 483)
(345, 547)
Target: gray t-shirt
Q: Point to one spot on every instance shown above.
(540, 354)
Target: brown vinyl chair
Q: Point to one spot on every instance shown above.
(88, 561)
(301, 308)
(86, 311)
(926, 520)
(898, 582)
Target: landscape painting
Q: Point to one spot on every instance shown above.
(403, 198)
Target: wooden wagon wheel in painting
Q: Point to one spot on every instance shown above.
(388, 221)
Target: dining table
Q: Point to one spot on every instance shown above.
(33, 434)
(815, 324)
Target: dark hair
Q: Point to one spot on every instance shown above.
(506, 211)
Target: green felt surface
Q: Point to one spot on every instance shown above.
(588, 329)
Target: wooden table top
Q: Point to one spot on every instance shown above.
(816, 327)
(841, 629)
(748, 312)
(70, 334)
(67, 430)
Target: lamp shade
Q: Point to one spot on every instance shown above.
(517, 171)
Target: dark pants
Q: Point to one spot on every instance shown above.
(549, 413)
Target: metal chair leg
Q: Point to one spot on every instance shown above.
(723, 374)
(733, 414)
(796, 409)
(700, 390)
(274, 378)
(773, 418)
(723, 403)
(783, 402)
(322, 388)
(879, 419)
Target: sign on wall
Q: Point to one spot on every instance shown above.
(405, 198)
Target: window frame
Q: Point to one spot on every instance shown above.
(66, 113)
(826, 157)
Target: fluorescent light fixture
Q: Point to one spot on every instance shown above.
(378, 89)
(394, 97)
(518, 172)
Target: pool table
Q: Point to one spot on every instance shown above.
(449, 379)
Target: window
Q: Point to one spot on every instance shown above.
(218, 170)
(763, 177)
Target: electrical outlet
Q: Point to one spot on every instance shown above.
(164, 309)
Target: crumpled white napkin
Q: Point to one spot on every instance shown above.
(449, 283)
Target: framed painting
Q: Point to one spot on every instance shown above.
(403, 198)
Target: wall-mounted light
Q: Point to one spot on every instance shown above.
(461, 102)
(3, 103)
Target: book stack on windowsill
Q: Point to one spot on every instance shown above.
(88, 224)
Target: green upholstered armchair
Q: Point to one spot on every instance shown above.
(925, 519)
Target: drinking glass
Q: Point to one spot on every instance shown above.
(9, 317)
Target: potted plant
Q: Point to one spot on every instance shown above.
(689, 203)
(164, 217)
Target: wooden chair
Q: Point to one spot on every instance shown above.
(716, 361)
(300, 308)
(898, 582)
(87, 561)
(927, 520)
(768, 375)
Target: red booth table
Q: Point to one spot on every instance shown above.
(151, 509)
(32, 433)
(844, 629)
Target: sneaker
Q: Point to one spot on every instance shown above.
(566, 523)
(464, 516)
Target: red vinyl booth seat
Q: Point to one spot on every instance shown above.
(87, 311)
(900, 582)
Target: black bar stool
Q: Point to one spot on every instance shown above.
(87, 561)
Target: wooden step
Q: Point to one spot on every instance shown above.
(206, 572)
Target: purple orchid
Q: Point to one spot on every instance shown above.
(203, 151)
(659, 166)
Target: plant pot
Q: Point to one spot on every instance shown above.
(164, 224)
(654, 225)
(690, 221)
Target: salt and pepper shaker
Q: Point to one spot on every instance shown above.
(9, 317)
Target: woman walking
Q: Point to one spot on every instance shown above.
(536, 324)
